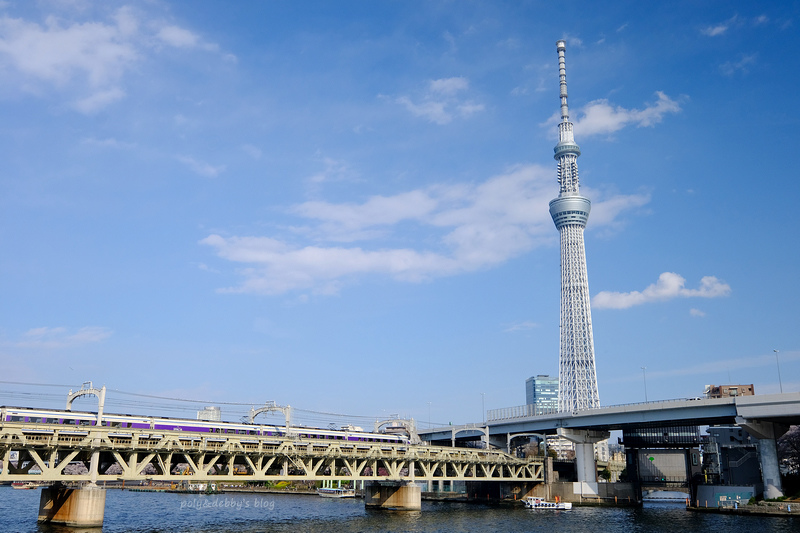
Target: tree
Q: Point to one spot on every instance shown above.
(789, 451)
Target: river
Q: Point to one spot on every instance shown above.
(146, 512)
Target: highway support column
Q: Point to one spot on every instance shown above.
(766, 433)
(584, 440)
(80, 507)
(393, 495)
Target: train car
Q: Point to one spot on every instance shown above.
(77, 422)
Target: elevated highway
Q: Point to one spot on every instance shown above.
(764, 417)
(782, 409)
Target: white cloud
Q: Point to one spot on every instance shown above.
(252, 151)
(465, 227)
(719, 29)
(99, 100)
(697, 312)
(668, 287)
(178, 37)
(600, 117)
(55, 53)
(607, 213)
(732, 67)
(109, 142)
(347, 222)
(87, 58)
(201, 167)
(449, 86)
(182, 38)
(334, 171)
(55, 338)
(441, 103)
(521, 326)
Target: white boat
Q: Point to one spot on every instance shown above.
(336, 492)
(533, 502)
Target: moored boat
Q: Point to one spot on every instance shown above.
(24, 485)
(329, 491)
(533, 502)
(336, 492)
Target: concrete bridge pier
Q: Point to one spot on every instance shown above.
(766, 433)
(83, 507)
(584, 440)
(393, 495)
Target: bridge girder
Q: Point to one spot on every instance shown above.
(43, 457)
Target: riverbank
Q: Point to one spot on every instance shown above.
(785, 508)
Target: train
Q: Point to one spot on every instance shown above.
(80, 422)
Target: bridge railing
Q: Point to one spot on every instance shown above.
(524, 411)
(519, 411)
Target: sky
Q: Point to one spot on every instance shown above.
(343, 206)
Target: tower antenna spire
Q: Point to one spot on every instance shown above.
(561, 46)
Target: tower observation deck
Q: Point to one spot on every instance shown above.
(577, 380)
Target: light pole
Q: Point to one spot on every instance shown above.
(644, 377)
(483, 406)
(429, 415)
(779, 370)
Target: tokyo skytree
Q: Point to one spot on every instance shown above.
(577, 381)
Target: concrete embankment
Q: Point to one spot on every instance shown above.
(785, 508)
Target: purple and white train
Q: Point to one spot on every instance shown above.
(77, 422)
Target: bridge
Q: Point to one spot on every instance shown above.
(38, 449)
(765, 417)
(43, 454)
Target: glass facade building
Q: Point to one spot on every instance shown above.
(542, 391)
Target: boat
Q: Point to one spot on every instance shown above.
(336, 492)
(24, 485)
(329, 491)
(533, 502)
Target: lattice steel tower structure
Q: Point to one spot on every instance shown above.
(577, 381)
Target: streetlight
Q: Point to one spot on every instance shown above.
(483, 406)
(644, 377)
(779, 370)
(429, 414)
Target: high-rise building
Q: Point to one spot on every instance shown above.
(542, 392)
(577, 381)
(210, 413)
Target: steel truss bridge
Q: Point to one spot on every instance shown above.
(117, 454)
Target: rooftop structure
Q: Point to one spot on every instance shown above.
(726, 391)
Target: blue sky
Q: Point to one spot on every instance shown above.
(342, 206)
